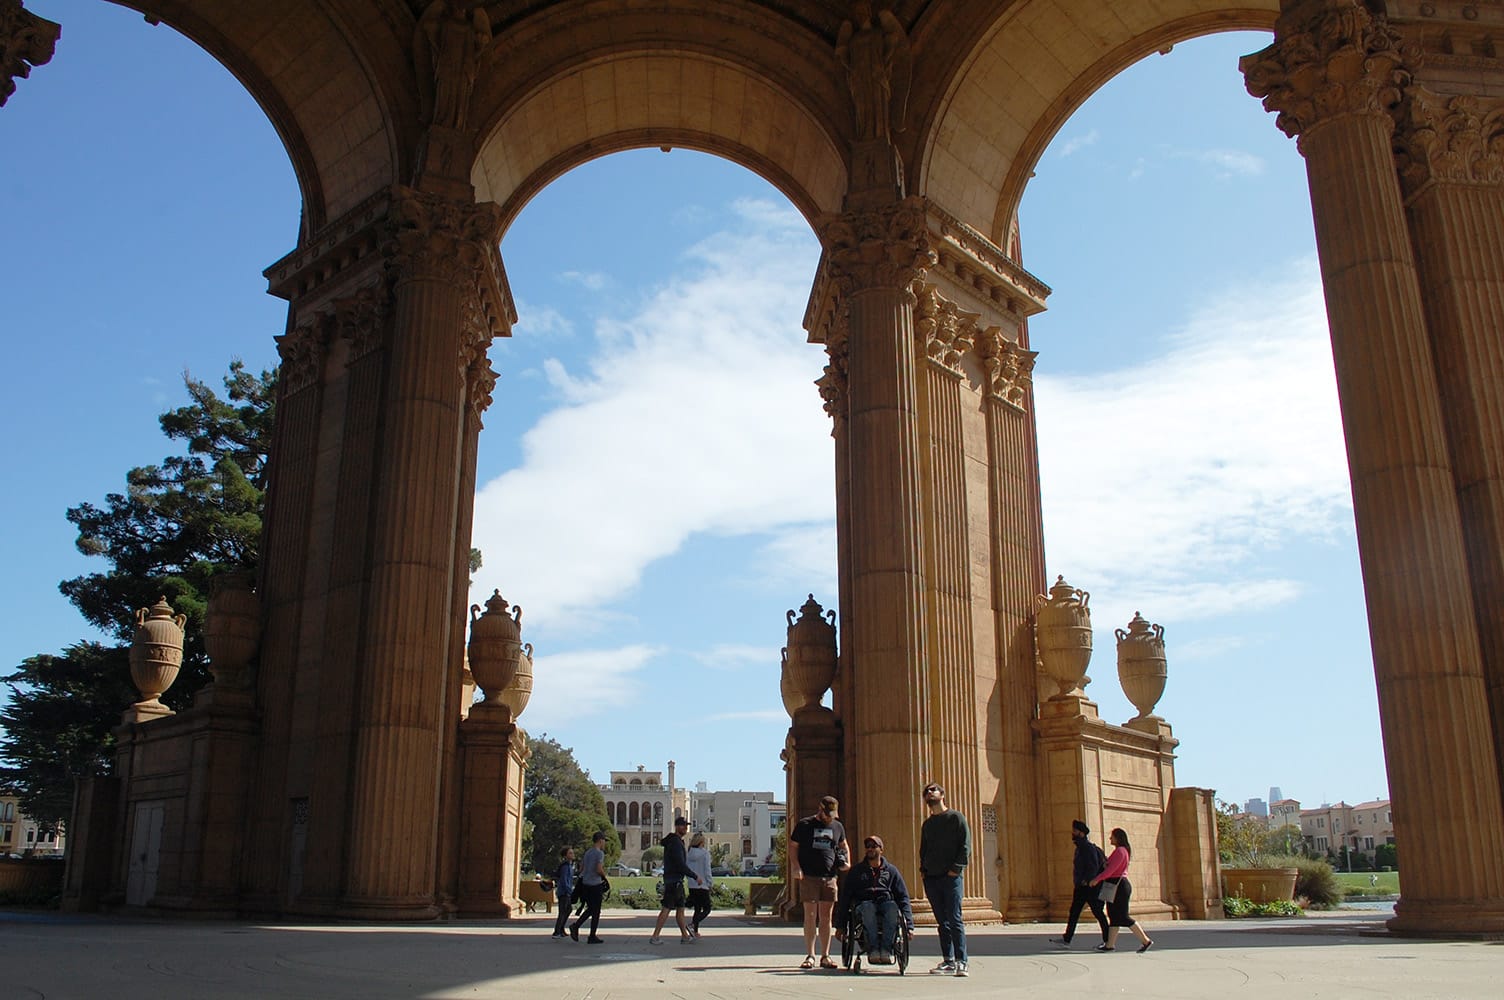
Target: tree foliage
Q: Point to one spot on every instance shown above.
(177, 525)
(562, 805)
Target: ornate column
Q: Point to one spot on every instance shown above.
(1332, 73)
(945, 336)
(1013, 500)
(875, 256)
(1450, 151)
(25, 41)
(441, 253)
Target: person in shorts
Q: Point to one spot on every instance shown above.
(817, 854)
(675, 871)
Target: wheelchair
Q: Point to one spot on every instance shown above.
(854, 944)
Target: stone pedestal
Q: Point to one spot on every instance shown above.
(815, 770)
(1193, 872)
(93, 839)
(492, 752)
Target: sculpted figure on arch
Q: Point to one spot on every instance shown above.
(447, 44)
(875, 54)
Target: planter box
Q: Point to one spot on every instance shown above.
(1262, 885)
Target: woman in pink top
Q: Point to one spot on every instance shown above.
(1116, 874)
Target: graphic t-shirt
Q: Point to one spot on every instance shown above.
(817, 845)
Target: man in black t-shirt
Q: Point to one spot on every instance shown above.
(817, 854)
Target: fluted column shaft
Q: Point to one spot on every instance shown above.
(401, 724)
(1014, 503)
(1432, 700)
(877, 255)
(1456, 214)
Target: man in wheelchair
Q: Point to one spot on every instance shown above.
(869, 907)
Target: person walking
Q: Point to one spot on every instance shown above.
(817, 854)
(698, 859)
(944, 850)
(1088, 864)
(675, 870)
(1115, 874)
(563, 889)
(594, 885)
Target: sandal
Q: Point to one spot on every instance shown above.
(826, 962)
(808, 963)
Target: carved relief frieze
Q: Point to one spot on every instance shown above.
(1448, 139)
(1009, 368)
(885, 247)
(362, 319)
(944, 333)
(26, 40)
(1330, 59)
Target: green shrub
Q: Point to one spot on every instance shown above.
(1237, 906)
(1317, 883)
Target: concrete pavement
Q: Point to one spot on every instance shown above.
(62, 956)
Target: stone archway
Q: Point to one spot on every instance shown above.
(905, 136)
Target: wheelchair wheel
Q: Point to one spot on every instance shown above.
(901, 951)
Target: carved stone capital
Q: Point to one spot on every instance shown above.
(436, 238)
(886, 247)
(1448, 139)
(944, 332)
(25, 41)
(362, 319)
(1009, 368)
(480, 379)
(1330, 59)
(833, 383)
(302, 350)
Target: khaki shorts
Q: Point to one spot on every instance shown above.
(817, 890)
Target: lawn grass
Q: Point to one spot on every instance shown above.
(1358, 883)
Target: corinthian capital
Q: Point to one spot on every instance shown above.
(25, 41)
(884, 247)
(302, 350)
(832, 383)
(945, 333)
(1009, 367)
(438, 238)
(1330, 58)
(1456, 139)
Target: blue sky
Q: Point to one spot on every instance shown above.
(656, 468)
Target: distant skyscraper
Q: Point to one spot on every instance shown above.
(1275, 795)
(1257, 807)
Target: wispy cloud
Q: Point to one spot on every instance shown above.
(1226, 162)
(1164, 481)
(731, 657)
(567, 686)
(696, 414)
(542, 321)
(1078, 142)
(592, 280)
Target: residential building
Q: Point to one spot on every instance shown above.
(1373, 825)
(642, 806)
(1284, 812)
(20, 834)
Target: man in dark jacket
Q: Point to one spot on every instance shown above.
(675, 870)
(877, 891)
(1088, 865)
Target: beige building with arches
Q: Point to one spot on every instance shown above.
(905, 132)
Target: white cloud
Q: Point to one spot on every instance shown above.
(592, 280)
(567, 686)
(1227, 162)
(542, 321)
(696, 414)
(1078, 142)
(733, 657)
(1163, 482)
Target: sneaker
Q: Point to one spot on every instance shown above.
(655, 940)
(574, 932)
(1061, 942)
(595, 940)
(961, 970)
(1104, 946)
(945, 968)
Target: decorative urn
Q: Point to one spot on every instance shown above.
(809, 659)
(517, 692)
(232, 629)
(793, 701)
(1141, 664)
(1062, 625)
(156, 652)
(495, 644)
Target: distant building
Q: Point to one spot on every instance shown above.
(1275, 794)
(642, 807)
(1373, 824)
(1256, 807)
(20, 834)
(1284, 812)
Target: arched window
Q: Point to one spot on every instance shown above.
(632, 815)
(621, 814)
(658, 813)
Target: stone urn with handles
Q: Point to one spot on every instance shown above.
(232, 629)
(1141, 664)
(809, 659)
(495, 644)
(156, 654)
(520, 689)
(1062, 627)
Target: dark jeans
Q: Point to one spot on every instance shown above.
(700, 899)
(563, 917)
(944, 893)
(1084, 896)
(879, 924)
(594, 894)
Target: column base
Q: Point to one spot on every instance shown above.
(1026, 910)
(1476, 919)
(423, 908)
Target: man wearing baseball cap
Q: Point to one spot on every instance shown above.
(817, 855)
(877, 891)
(675, 870)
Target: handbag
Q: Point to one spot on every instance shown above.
(1108, 892)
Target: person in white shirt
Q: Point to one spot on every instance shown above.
(699, 863)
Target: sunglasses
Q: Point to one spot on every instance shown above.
(871, 843)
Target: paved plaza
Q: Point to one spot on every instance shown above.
(1335, 955)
